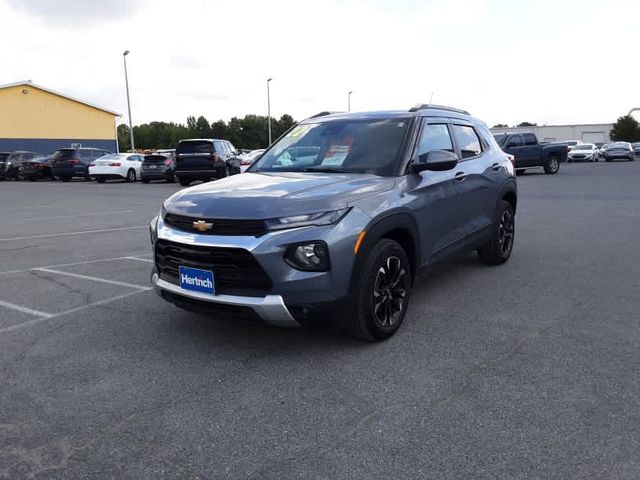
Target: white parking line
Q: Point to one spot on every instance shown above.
(66, 312)
(85, 262)
(146, 260)
(30, 311)
(98, 214)
(68, 234)
(87, 277)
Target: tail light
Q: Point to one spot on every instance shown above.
(245, 162)
(114, 164)
(92, 164)
(73, 161)
(215, 157)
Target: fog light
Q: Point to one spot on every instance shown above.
(312, 256)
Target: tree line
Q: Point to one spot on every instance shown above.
(249, 132)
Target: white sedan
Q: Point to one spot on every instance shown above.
(248, 158)
(116, 166)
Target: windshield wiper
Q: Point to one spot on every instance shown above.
(325, 170)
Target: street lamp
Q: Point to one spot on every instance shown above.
(349, 100)
(126, 81)
(269, 108)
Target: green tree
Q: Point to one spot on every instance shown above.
(527, 124)
(500, 125)
(124, 139)
(202, 128)
(626, 129)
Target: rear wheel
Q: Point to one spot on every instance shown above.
(499, 249)
(144, 180)
(65, 179)
(100, 180)
(185, 182)
(32, 179)
(552, 166)
(131, 176)
(381, 293)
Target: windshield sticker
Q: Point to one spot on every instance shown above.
(336, 154)
(299, 130)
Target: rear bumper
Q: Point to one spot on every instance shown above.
(75, 171)
(270, 308)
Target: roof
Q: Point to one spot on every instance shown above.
(430, 111)
(59, 94)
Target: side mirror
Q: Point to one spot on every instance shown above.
(436, 161)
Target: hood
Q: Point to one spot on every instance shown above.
(272, 195)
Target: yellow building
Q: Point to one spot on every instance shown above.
(37, 119)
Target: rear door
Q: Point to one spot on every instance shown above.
(515, 146)
(477, 177)
(530, 151)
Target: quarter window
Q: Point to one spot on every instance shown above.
(467, 140)
(435, 136)
(515, 141)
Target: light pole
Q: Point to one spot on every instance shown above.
(126, 81)
(349, 100)
(269, 109)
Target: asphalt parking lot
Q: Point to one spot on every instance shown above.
(526, 370)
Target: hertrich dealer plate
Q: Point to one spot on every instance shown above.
(197, 280)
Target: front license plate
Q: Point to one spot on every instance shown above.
(197, 280)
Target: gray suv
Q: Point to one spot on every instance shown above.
(335, 221)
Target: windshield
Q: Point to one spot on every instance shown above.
(195, 146)
(348, 146)
(620, 145)
(64, 153)
(500, 138)
(583, 147)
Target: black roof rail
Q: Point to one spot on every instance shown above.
(323, 114)
(422, 106)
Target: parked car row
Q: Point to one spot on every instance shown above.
(193, 159)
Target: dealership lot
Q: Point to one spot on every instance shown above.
(525, 370)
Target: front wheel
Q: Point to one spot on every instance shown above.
(552, 166)
(185, 182)
(381, 292)
(499, 248)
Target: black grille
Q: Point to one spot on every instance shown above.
(235, 270)
(248, 228)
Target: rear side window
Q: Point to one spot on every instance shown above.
(467, 140)
(435, 136)
(64, 153)
(220, 147)
(515, 141)
(529, 139)
(195, 147)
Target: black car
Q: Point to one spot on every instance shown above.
(67, 163)
(13, 164)
(636, 149)
(3, 159)
(205, 159)
(619, 151)
(157, 166)
(37, 168)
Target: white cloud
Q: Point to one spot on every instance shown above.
(504, 61)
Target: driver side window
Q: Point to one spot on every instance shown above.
(435, 136)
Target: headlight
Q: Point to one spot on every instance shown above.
(307, 220)
(311, 256)
(153, 230)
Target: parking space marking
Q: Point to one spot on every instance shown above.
(68, 234)
(30, 311)
(146, 260)
(97, 214)
(67, 312)
(88, 277)
(75, 264)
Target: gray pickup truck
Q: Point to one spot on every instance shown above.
(529, 153)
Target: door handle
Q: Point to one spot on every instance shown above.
(460, 176)
(495, 167)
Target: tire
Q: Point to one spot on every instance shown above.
(65, 179)
(185, 182)
(131, 176)
(32, 179)
(552, 166)
(520, 172)
(380, 306)
(499, 249)
(172, 179)
(144, 180)
(100, 180)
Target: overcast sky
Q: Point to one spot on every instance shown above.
(561, 61)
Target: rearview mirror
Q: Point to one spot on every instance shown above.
(436, 161)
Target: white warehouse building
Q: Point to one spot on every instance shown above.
(591, 133)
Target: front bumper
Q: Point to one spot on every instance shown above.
(270, 308)
(294, 297)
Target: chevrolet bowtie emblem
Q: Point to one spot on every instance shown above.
(202, 226)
